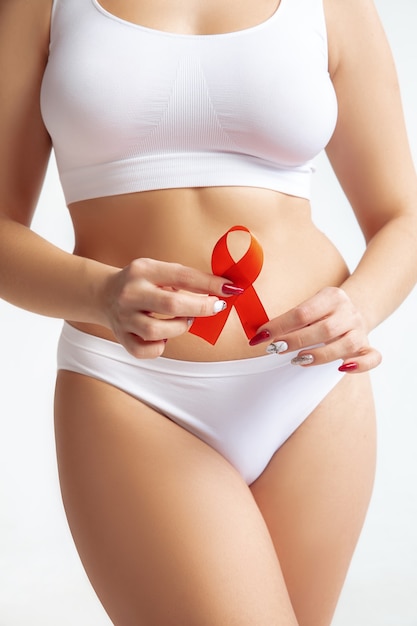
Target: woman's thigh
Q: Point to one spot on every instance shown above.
(167, 530)
(314, 495)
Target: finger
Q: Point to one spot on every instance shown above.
(179, 276)
(181, 304)
(151, 329)
(345, 351)
(350, 345)
(322, 332)
(141, 349)
(363, 363)
(366, 359)
(311, 311)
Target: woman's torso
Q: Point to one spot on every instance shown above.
(182, 225)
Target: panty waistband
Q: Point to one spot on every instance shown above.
(115, 351)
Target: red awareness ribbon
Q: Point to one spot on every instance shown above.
(242, 274)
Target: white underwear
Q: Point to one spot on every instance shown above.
(245, 409)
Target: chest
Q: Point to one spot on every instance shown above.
(116, 90)
(193, 16)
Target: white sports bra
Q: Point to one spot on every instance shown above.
(130, 108)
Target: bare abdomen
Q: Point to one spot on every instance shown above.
(182, 226)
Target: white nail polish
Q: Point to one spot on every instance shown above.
(277, 347)
(304, 359)
(219, 306)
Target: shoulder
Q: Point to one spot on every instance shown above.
(24, 40)
(25, 145)
(26, 7)
(25, 18)
(354, 30)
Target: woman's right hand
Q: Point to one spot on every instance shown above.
(151, 301)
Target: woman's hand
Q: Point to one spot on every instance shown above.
(149, 302)
(328, 320)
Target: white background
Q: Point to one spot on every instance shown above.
(41, 580)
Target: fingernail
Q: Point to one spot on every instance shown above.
(220, 305)
(277, 347)
(303, 359)
(190, 321)
(264, 335)
(348, 367)
(232, 290)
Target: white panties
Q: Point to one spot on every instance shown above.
(245, 409)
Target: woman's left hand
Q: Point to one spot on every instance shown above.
(330, 322)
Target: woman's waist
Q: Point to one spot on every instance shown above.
(183, 228)
(182, 225)
(281, 285)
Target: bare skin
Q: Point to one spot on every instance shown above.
(167, 530)
(157, 514)
(156, 215)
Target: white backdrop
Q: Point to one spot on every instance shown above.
(41, 580)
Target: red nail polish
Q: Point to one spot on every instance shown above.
(348, 367)
(264, 335)
(232, 290)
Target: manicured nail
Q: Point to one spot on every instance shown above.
(232, 290)
(277, 347)
(303, 359)
(348, 367)
(264, 335)
(220, 305)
